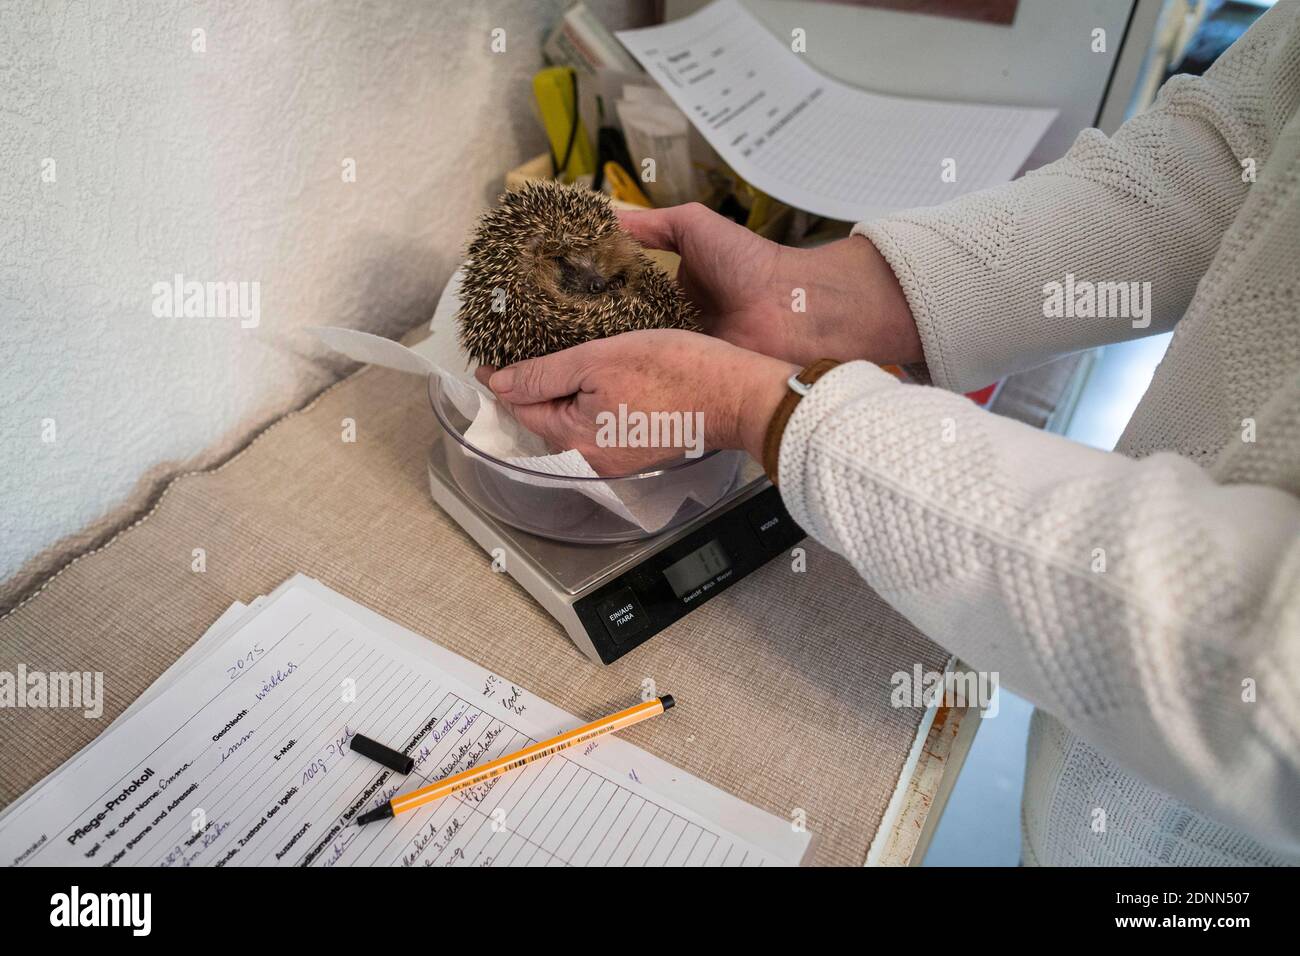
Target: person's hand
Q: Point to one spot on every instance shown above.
(715, 394)
(750, 290)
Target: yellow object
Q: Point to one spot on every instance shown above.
(623, 187)
(522, 758)
(557, 102)
(539, 167)
(760, 212)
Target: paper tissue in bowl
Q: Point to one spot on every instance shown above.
(649, 503)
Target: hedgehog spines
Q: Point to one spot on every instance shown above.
(549, 268)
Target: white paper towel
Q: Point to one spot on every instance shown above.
(495, 432)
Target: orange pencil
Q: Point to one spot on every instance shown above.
(539, 751)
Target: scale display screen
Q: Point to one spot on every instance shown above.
(701, 565)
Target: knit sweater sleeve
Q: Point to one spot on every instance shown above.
(1150, 609)
(1145, 208)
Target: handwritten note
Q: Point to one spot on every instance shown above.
(244, 759)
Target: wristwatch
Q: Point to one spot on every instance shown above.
(799, 386)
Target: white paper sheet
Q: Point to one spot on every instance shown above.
(244, 760)
(814, 142)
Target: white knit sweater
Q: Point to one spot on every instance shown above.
(992, 537)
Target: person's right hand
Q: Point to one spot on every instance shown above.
(749, 289)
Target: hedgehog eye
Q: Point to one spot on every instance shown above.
(567, 269)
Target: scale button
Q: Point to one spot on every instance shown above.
(623, 615)
(770, 526)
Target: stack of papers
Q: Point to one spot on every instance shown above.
(239, 756)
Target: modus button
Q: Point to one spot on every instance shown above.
(623, 615)
(771, 525)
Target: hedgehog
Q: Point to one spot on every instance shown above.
(549, 268)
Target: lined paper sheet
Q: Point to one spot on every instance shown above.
(244, 760)
(814, 142)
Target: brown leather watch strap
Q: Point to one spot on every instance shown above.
(776, 428)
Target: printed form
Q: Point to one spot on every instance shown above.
(817, 143)
(243, 759)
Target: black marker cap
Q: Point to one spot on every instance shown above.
(667, 701)
(390, 758)
(378, 813)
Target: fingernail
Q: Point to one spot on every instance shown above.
(502, 381)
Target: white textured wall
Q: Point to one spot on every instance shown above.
(223, 165)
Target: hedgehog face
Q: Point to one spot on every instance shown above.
(583, 274)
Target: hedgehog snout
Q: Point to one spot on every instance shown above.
(584, 275)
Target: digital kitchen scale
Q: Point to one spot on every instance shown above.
(613, 597)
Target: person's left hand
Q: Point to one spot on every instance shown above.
(571, 398)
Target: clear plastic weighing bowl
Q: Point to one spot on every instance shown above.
(557, 507)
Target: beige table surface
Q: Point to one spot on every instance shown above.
(783, 680)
